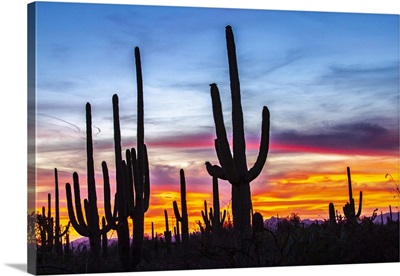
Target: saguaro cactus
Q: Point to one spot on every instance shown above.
(234, 166)
(90, 228)
(58, 234)
(141, 170)
(217, 217)
(104, 240)
(42, 223)
(121, 223)
(206, 215)
(332, 213)
(132, 181)
(212, 219)
(349, 208)
(50, 228)
(183, 218)
(46, 225)
(167, 232)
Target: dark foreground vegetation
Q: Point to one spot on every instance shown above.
(290, 243)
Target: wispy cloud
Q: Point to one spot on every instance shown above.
(345, 138)
(364, 78)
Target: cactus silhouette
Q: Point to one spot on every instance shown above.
(183, 218)
(132, 181)
(206, 215)
(234, 166)
(177, 231)
(332, 213)
(257, 222)
(349, 208)
(89, 228)
(42, 226)
(50, 227)
(216, 217)
(58, 233)
(46, 225)
(119, 222)
(167, 232)
(213, 218)
(141, 170)
(104, 240)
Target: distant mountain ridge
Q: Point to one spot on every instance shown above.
(272, 222)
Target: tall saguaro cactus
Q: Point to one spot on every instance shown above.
(141, 172)
(233, 167)
(349, 209)
(89, 228)
(132, 181)
(121, 223)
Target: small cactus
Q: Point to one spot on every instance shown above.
(183, 217)
(332, 215)
(167, 232)
(349, 208)
(58, 233)
(257, 222)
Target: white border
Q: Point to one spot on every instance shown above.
(13, 57)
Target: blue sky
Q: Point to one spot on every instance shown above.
(329, 79)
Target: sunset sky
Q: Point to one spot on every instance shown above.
(330, 80)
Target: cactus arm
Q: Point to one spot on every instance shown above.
(78, 206)
(81, 229)
(206, 220)
(211, 216)
(349, 184)
(130, 183)
(359, 206)
(146, 188)
(135, 174)
(225, 156)
(49, 205)
(115, 211)
(87, 210)
(152, 231)
(66, 229)
(107, 198)
(176, 211)
(125, 188)
(104, 240)
(183, 194)
(332, 216)
(166, 221)
(223, 218)
(216, 171)
(204, 214)
(264, 147)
